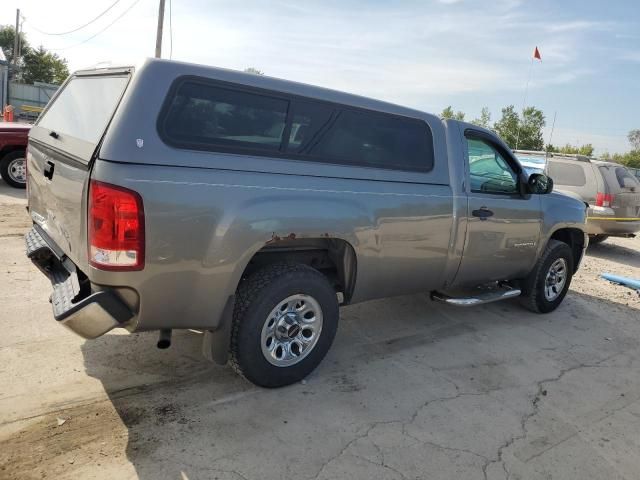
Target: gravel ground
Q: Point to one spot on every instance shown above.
(411, 389)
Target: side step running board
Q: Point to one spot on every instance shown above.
(478, 299)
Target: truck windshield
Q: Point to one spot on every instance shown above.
(84, 107)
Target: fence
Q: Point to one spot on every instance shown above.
(29, 100)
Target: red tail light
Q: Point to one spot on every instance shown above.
(604, 199)
(116, 228)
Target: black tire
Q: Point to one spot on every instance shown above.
(595, 239)
(256, 297)
(533, 287)
(4, 168)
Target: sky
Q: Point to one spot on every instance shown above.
(426, 54)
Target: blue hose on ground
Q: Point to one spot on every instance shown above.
(627, 282)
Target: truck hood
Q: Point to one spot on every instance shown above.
(564, 208)
(567, 193)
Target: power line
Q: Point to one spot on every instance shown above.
(81, 26)
(101, 31)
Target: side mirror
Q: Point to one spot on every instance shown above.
(539, 183)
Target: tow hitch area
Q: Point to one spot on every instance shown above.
(478, 296)
(89, 314)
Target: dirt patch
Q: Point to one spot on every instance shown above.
(14, 220)
(60, 442)
(620, 256)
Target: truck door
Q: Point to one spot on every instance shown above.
(503, 224)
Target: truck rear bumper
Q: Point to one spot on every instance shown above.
(606, 221)
(75, 301)
(612, 226)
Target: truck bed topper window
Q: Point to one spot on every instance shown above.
(84, 107)
(203, 114)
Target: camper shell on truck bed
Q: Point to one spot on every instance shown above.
(191, 197)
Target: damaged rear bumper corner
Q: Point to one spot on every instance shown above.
(75, 304)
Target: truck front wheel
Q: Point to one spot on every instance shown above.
(284, 321)
(546, 286)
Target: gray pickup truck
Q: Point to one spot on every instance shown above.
(178, 196)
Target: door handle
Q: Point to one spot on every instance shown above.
(48, 170)
(483, 213)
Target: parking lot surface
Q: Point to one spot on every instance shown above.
(410, 390)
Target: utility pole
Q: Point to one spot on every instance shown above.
(159, 32)
(16, 39)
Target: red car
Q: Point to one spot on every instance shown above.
(13, 145)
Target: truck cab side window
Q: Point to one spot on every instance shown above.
(489, 171)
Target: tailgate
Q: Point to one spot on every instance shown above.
(627, 204)
(62, 146)
(625, 189)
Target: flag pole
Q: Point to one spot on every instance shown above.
(553, 126)
(524, 99)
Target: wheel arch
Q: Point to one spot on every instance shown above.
(7, 149)
(333, 257)
(575, 238)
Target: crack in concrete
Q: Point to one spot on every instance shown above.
(348, 444)
(541, 391)
(381, 464)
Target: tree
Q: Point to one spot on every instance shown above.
(34, 65)
(632, 159)
(530, 135)
(525, 133)
(7, 41)
(634, 139)
(43, 66)
(448, 113)
(629, 159)
(254, 70)
(586, 149)
(507, 126)
(485, 118)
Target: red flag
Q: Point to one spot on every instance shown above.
(536, 54)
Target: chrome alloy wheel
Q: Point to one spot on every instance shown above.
(18, 170)
(291, 330)
(555, 279)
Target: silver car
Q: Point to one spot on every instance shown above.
(610, 189)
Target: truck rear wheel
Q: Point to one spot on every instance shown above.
(546, 286)
(13, 168)
(284, 321)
